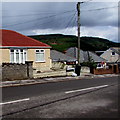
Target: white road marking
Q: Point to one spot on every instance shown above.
(72, 91)
(21, 100)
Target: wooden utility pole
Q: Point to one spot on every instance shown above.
(78, 23)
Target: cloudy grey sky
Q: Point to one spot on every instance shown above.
(98, 19)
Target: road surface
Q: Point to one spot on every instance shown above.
(87, 98)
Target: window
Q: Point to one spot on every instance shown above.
(113, 53)
(18, 55)
(40, 56)
(12, 56)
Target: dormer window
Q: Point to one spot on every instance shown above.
(113, 53)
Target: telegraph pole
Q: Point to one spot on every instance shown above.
(78, 67)
(78, 24)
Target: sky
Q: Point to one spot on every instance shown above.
(98, 19)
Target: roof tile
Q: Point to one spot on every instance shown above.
(12, 38)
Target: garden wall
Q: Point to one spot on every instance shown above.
(113, 69)
(16, 71)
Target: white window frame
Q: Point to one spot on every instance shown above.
(19, 52)
(39, 52)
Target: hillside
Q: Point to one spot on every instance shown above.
(63, 42)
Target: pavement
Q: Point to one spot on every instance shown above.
(52, 79)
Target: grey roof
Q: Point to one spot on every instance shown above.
(116, 50)
(94, 56)
(73, 53)
(118, 60)
(84, 55)
(59, 56)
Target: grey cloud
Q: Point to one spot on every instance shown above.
(43, 20)
(29, 16)
(90, 18)
(104, 17)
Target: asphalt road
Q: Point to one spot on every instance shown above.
(87, 98)
(20, 92)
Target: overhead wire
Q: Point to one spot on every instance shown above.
(70, 20)
(41, 18)
(69, 23)
(25, 15)
(82, 2)
(43, 12)
(51, 21)
(54, 15)
(99, 9)
(72, 28)
(66, 21)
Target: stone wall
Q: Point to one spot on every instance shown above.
(53, 74)
(61, 72)
(16, 71)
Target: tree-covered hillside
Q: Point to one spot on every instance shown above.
(63, 42)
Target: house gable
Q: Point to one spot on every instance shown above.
(112, 54)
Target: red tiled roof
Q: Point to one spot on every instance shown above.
(15, 39)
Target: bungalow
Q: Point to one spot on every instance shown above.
(57, 56)
(18, 48)
(84, 55)
(112, 55)
(60, 60)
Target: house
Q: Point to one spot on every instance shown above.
(84, 55)
(112, 55)
(18, 48)
(59, 59)
(73, 53)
